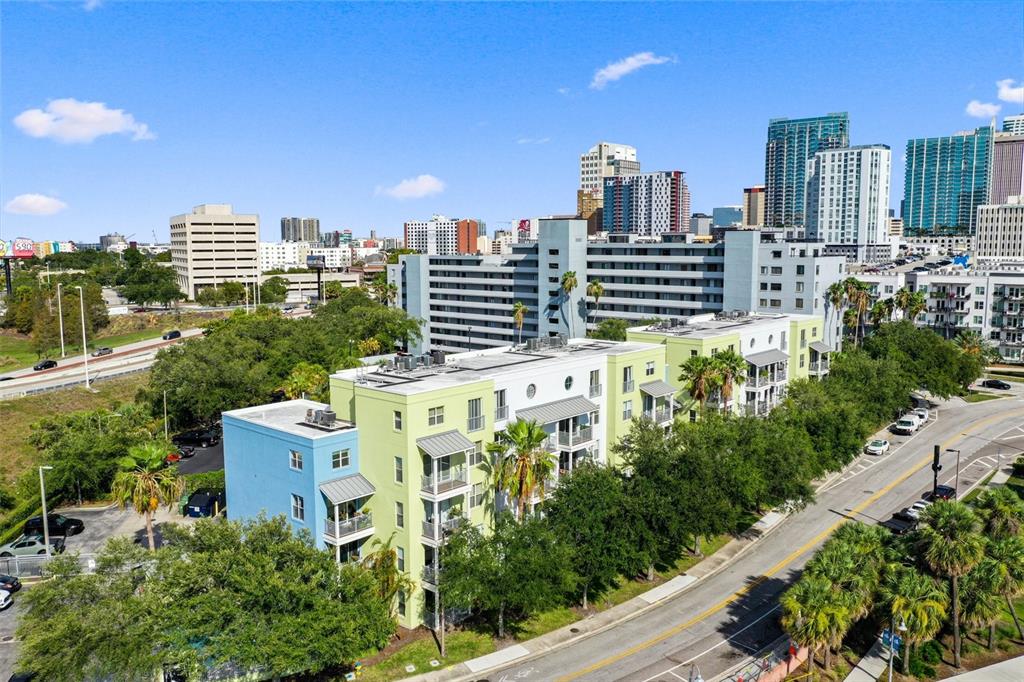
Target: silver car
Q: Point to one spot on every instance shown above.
(30, 545)
(5, 599)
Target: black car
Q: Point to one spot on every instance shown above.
(204, 503)
(9, 583)
(900, 524)
(943, 492)
(203, 438)
(58, 525)
(44, 364)
(996, 383)
(173, 334)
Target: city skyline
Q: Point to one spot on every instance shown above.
(359, 122)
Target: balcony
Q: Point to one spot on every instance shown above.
(501, 413)
(445, 482)
(767, 379)
(567, 439)
(434, 530)
(475, 423)
(595, 390)
(346, 527)
(758, 409)
(659, 416)
(819, 367)
(628, 386)
(430, 574)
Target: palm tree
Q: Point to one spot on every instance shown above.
(901, 300)
(812, 613)
(700, 376)
(145, 483)
(859, 298)
(731, 369)
(1002, 511)
(878, 313)
(389, 293)
(568, 285)
(835, 299)
(382, 562)
(916, 305)
(1007, 555)
(951, 547)
(838, 564)
(524, 463)
(980, 595)
(519, 311)
(916, 601)
(595, 290)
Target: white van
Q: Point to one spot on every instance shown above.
(907, 424)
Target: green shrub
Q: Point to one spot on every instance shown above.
(1018, 466)
(930, 652)
(207, 480)
(12, 522)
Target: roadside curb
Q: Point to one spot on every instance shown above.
(80, 510)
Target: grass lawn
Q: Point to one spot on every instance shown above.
(980, 397)
(546, 621)
(19, 414)
(461, 645)
(15, 352)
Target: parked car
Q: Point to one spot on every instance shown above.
(204, 503)
(878, 446)
(30, 545)
(58, 525)
(899, 525)
(102, 351)
(922, 413)
(907, 424)
(9, 583)
(921, 505)
(44, 364)
(5, 599)
(203, 438)
(942, 492)
(996, 383)
(172, 457)
(173, 334)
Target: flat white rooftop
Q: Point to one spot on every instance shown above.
(714, 325)
(290, 417)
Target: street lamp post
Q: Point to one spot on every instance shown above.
(165, 416)
(893, 644)
(60, 320)
(46, 520)
(956, 485)
(85, 347)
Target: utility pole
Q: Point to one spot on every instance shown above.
(957, 484)
(60, 320)
(46, 520)
(165, 416)
(85, 347)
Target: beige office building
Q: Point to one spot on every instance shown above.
(1000, 234)
(212, 245)
(753, 206)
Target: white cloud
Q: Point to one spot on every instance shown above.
(413, 188)
(1008, 92)
(616, 70)
(34, 204)
(90, 5)
(68, 120)
(533, 140)
(982, 109)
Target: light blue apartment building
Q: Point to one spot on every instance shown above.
(294, 458)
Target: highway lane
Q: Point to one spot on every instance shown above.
(731, 614)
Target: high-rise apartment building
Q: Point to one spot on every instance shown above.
(1007, 167)
(1014, 124)
(605, 160)
(848, 202)
(753, 206)
(727, 216)
(1000, 233)
(791, 143)
(442, 236)
(300, 229)
(946, 180)
(108, 240)
(646, 203)
(213, 245)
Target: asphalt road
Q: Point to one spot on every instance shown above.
(733, 613)
(205, 459)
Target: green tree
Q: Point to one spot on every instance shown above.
(519, 312)
(731, 368)
(586, 515)
(382, 562)
(916, 601)
(812, 613)
(981, 598)
(524, 463)
(150, 282)
(1007, 556)
(232, 293)
(700, 376)
(951, 547)
(210, 297)
(610, 329)
(595, 290)
(306, 379)
(568, 285)
(274, 290)
(901, 300)
(145, 483)
(1002, 511)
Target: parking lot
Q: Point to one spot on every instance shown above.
(205, 459)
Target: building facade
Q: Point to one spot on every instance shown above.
(442, 236)
(283, 255)
(605, 160)
(791, 143)
(1000, 234)
(300, 229)
(1007, 167)
(847, 202)
(727, 216)
(213, 245)
(648, 204)
(945, 180)
(1014, 124)
(753, 206)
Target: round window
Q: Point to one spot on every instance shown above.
(531, 391)
(568, 383)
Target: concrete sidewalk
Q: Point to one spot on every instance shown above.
(871, 667)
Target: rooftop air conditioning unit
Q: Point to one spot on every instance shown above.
(309, 415)
(327, 417)
(409, 362)
(427, 359)
(438, 356)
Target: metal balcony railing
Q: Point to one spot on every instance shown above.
(456, 477)
(595, 390)
(659, 416)
(348, 526)
(581, 435)
(819, 366)
(432, 530)
(627, 386)
(476, 423)
(500, 413)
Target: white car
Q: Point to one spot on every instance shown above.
(877, 447)
(5, 599)
(912, 512)
(921, 505)
(921, 412)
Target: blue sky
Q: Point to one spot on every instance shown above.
(324, 109)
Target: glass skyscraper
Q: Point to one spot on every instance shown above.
(791, 143)
(945, 181)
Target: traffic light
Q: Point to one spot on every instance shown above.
(936, 467)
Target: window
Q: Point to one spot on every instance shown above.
(776, 286)
(476, 495)
(776, 303)
(802, 359)
(500, 406)
(649, 368)
(340, 459)
(400, 558)
(399, 470)
(627, 409)
(776, 270)
(476, 418)
(401, 602)
(295, 460)
(298, 508)
(477, 456)
(568, 383)
(799, 269)
(799, 303)
(435, 416)
(979, 290)
(764, 286)
(399, 515)
(398, 420)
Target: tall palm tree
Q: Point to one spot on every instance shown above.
(1002, 511)
(568, 285)
(980, 593)
(859, 298)
(519, 311)
(382, 562)
(840, 566)
(916, 305)
(731, 369)
(951, 546)
(812, 612)
(878, 312)
(145, 483)
(901, 300)
(1007, 555)
(595, 290)
(700, 376)
(524, 463)
(918, 602)
(389, 293)
(835, 299)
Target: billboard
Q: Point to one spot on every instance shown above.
(22, 248)
(3, 248)
(315, 262)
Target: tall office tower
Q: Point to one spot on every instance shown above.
(1001, 231)
(310, 229)
(753, 206)
(300, 229)
(727, 216)
(700, 223)
(791, 143)
(1014, 124)
(606, 160)
(895, 227)
(848, 202)
(945, 181)
(588, 202)
(212, 245)
(647, 203)
(1007, 167)
(108, 240)
(442, 236)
